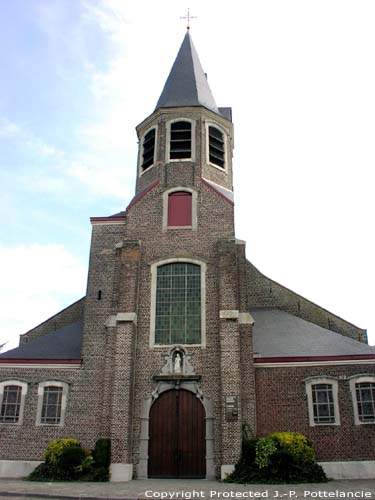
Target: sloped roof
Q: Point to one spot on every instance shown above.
(187, 84)
(280, 334)
(63, 344)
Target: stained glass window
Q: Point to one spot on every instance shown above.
(178, 304)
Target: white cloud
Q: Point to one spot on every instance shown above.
(8, 128)
(36, 282)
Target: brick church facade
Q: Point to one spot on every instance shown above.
(180, 340)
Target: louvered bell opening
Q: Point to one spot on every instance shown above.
(216, 147)
(180, 146)
(148, 149)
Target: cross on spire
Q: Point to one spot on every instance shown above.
(188, 17)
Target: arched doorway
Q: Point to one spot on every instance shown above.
(177, 446)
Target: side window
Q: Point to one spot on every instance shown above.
(12, 401)
(180, 141)
(148, 149)
(216, 147)
(52, 399)
(322, 396)
(363, 395)
(179, 209)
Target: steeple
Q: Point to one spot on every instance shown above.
(187, 84)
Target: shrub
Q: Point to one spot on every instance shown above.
(102, 453)
(277, 458)
(56, 447)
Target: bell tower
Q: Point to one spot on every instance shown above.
(187, 137)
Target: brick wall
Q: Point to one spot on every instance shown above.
(282, 406)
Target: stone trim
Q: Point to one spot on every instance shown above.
(229, 314)
(121, 472)
(154, 268)
(64, 398)
(194, 217)
(13, 469)
(357, 379)
(130, 317)
(356, 469)
(163, 386)
(245, 318)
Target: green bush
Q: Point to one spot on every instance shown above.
(102, 453)
(282, 457)
(66, 460)
(56, 447)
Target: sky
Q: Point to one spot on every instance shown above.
(77, 76)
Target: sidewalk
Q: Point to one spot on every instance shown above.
(172, 489)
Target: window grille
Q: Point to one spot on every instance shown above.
(11, 404)
(180, 141)
(51, 408)
(323, 405)
(365, 394)
(216, 147)
(178, 304)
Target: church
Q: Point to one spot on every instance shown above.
(180, 341)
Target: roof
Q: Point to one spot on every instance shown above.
(187, 84)
(280, 334)
(63, 344)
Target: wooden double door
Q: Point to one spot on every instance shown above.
(177, 445)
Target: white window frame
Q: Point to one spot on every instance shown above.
(154, 272)
(64, 398)
(223, 131)
(358, 379)
(140, 153)
(23, 386)
(335, 388)
(168, 144)
(194, 218)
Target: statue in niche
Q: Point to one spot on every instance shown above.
(177, 366)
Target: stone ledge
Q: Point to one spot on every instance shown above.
(229, 314)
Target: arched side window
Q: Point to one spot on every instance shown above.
(362, 388)
(148, 150)
(180, 140)
(178, 303)
(52, 399)
(12, 401)
(322, 397)
(216, 147)
(180, 208)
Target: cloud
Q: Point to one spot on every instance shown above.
(37, 281)
(8, 129)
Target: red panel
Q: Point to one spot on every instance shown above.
(179, 209)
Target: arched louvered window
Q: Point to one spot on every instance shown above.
(148, 149)
(216, 147)
(180, 141)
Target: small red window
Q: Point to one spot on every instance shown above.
(179, 209)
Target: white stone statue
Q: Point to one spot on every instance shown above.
(177, 363)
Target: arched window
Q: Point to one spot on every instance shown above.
(52, 398)
(216, 147)
(148, 149)
(180, 141)
(178, 303)
(362, 388)
(322, 396)
(12, 401)
(179, 209)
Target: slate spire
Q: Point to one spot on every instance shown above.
(187, 84)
